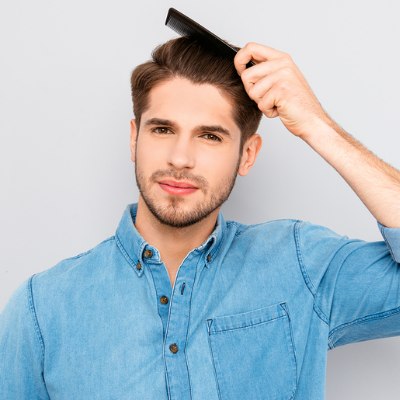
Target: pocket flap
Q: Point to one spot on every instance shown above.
(249, 318)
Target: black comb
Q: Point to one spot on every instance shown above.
(185, 26)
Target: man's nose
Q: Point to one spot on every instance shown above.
(181, 153)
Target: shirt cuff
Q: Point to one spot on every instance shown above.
(392, 239)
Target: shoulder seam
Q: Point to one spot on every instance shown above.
(250, 226)
(84, 253)
(34, 317)
(321, 315)
(303, 269)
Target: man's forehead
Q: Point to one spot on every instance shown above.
(179, 99)
(187, 87)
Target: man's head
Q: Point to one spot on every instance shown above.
(186, 58)
(194, 131)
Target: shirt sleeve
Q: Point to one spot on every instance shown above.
(355, 284)
(392, 239)
(21, 349)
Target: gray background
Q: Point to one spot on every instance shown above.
(65, 107)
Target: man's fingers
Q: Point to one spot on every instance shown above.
(253, 74)
(267, 105)
(258, 90)
(256, 52)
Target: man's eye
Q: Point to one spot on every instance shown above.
(212, 137)
(161, 130)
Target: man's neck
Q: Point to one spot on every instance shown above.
(172, 243)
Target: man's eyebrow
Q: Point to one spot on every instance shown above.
(214, 128)
(202, 128)
(159, 121)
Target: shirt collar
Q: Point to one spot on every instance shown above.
(138, 252)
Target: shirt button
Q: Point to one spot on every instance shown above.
(164, 299)
(174, 348)
(209, 258)
(148, 253)
(138, 266)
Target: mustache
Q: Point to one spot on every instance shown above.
(198, 180)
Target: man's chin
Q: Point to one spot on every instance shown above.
(178, 217)
(177, 213)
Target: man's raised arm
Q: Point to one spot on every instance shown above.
(280, 90)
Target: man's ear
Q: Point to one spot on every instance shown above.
(133, 139)
(249, 153)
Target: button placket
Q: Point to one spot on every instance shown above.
(178, 326)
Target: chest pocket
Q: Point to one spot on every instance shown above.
(253, 354)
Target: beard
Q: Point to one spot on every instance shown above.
(173, 213)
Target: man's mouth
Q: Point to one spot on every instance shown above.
(177, 187)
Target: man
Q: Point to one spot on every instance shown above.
(180, 303)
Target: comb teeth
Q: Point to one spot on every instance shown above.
(182, 24)
(185, 26)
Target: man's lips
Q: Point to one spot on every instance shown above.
(178, 184)
(175, 187)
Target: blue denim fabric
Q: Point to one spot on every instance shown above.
(251, 315)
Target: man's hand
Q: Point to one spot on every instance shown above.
(279, 88)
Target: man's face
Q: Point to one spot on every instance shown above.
(187, 151)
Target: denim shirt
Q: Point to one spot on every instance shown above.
(252, 314)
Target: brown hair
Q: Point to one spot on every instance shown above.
(186, 57)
